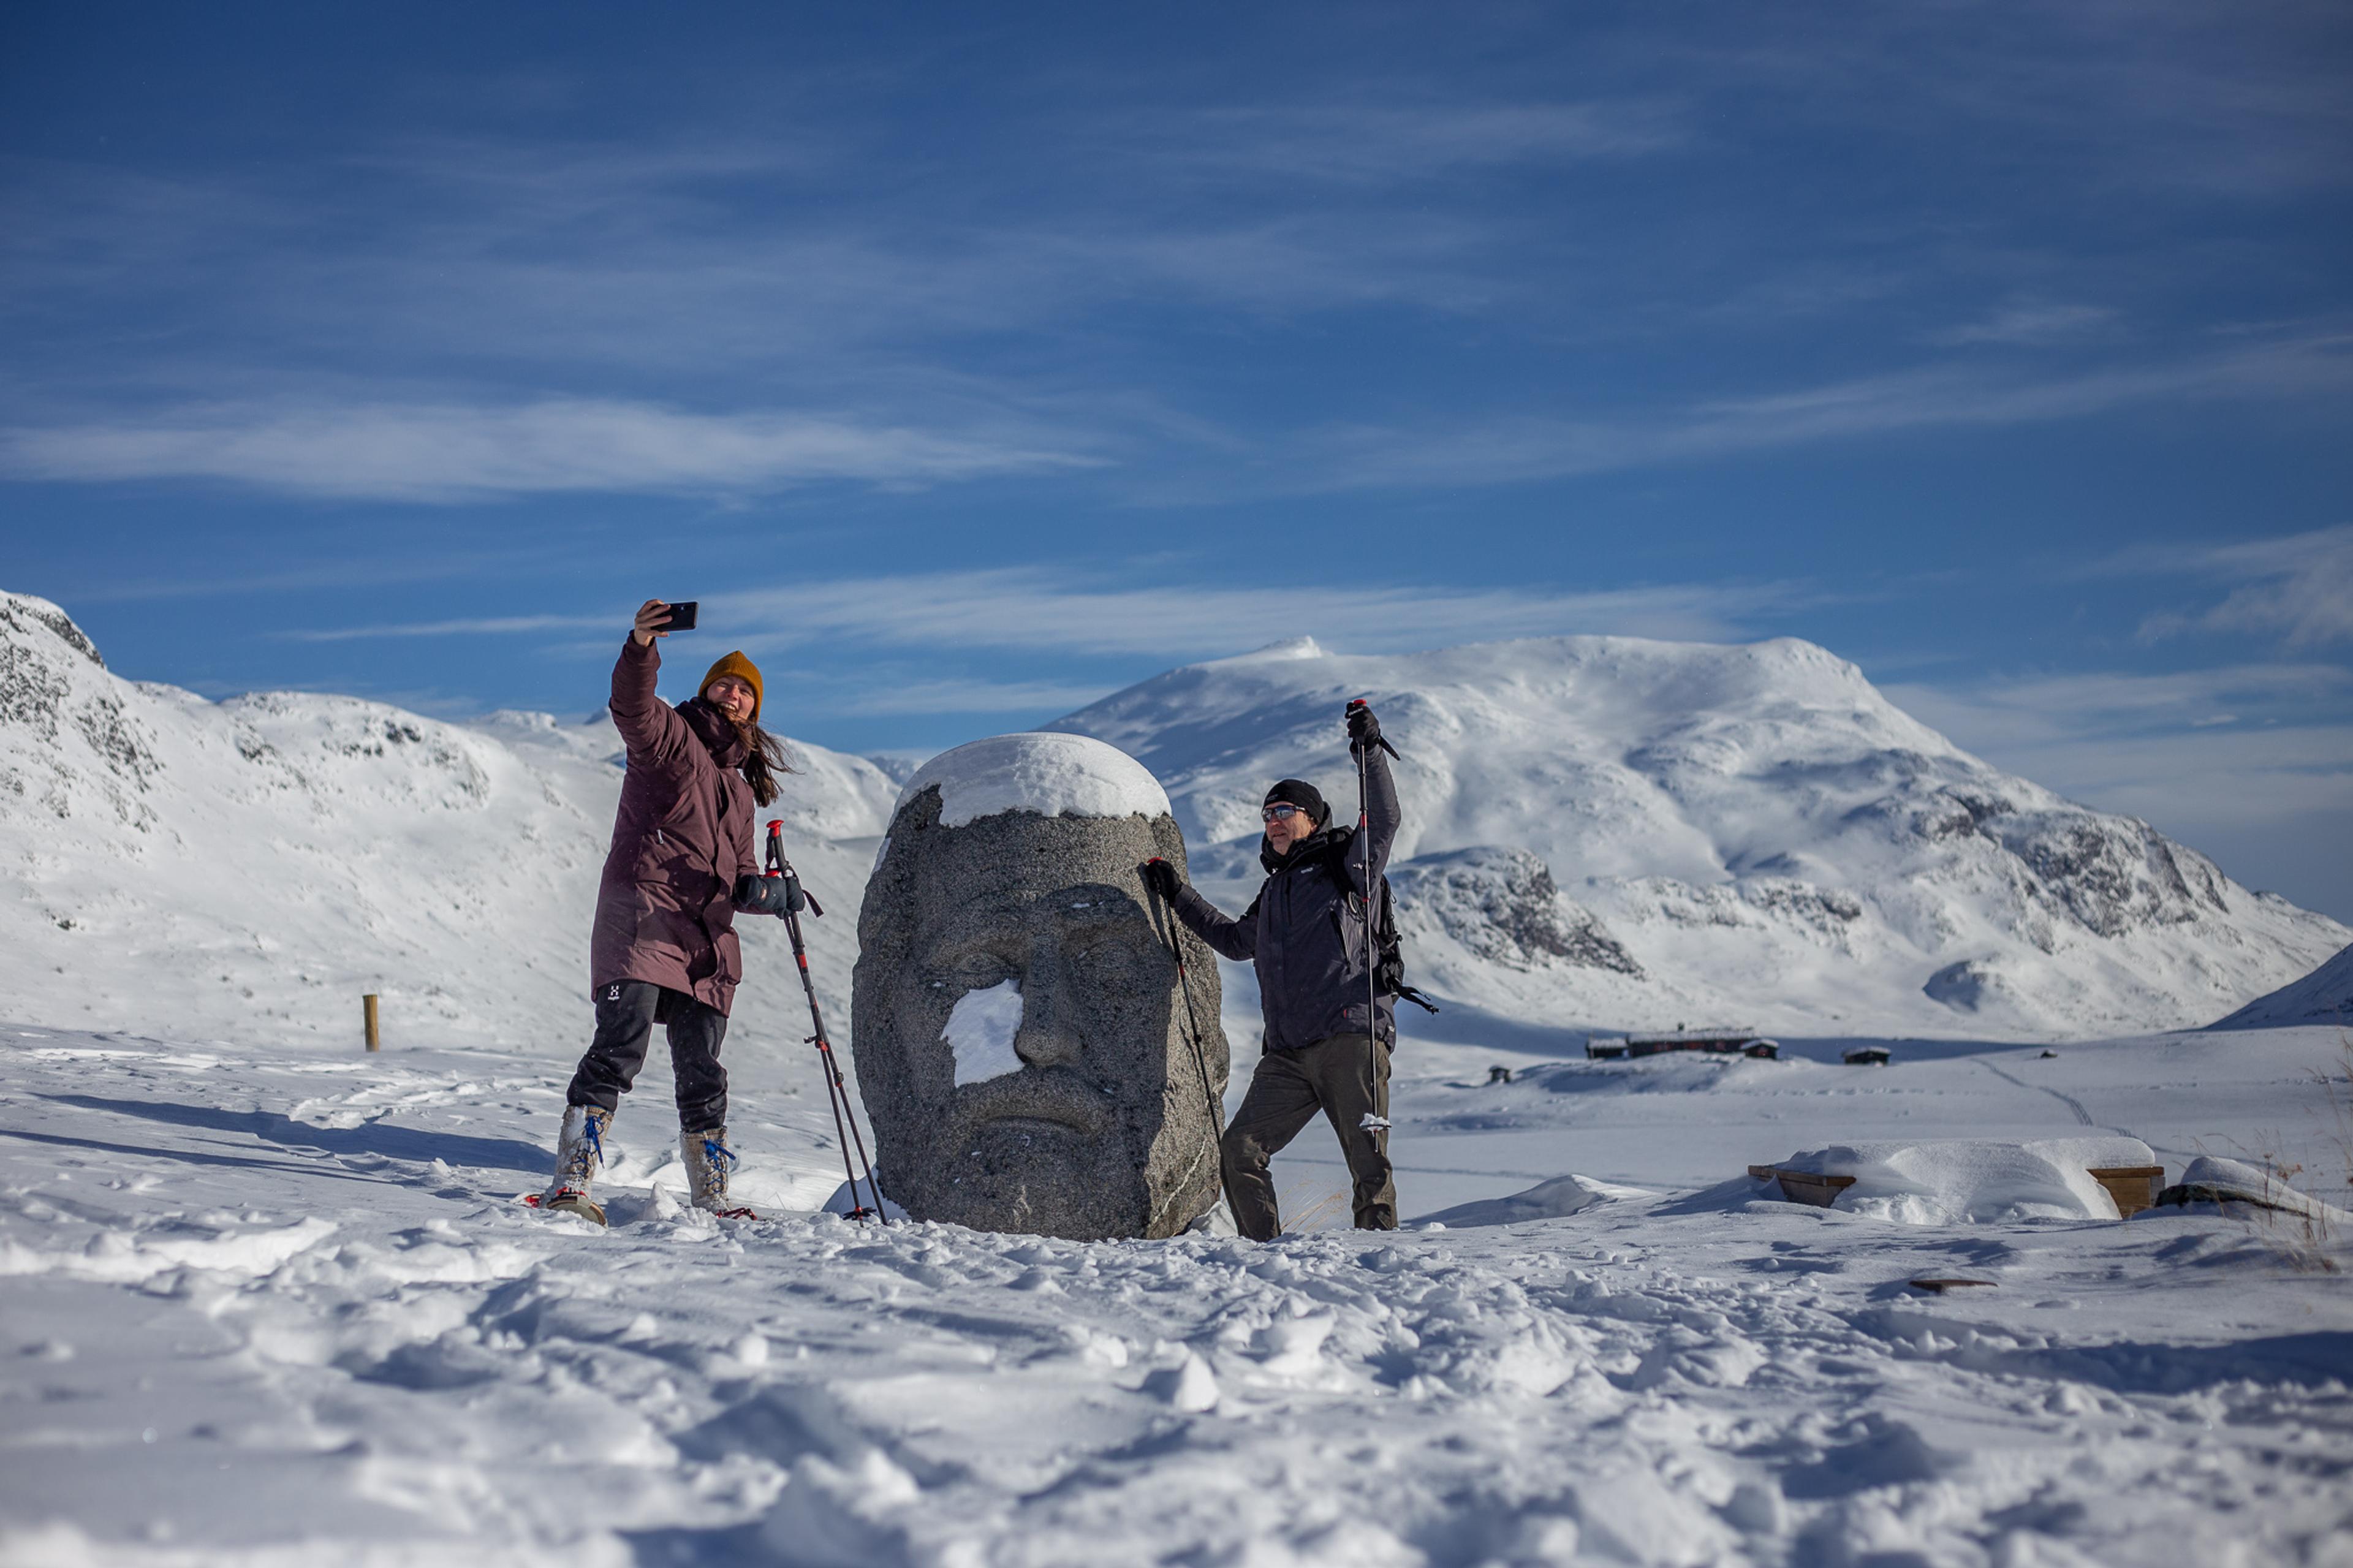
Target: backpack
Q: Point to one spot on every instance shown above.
(1388, 948)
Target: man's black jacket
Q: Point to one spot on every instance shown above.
(1305, 931)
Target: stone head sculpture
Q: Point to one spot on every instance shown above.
(1024, 1052)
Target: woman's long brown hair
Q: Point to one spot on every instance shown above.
(763, 759)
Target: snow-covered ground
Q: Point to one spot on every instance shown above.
(277, 1303)
(264, 1297)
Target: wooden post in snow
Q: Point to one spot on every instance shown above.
(367, 1013)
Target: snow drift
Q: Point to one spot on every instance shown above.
(1965, 1180)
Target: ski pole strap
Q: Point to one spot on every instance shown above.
(780, 867)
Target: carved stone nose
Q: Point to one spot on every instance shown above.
(1043, 1042)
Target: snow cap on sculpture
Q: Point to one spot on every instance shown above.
(1024, 1051)
(1051, 774)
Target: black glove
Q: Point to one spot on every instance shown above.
(1162, 878)
(769, 895)
(1364, 729)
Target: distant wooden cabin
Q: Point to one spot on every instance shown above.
(1724, 1042)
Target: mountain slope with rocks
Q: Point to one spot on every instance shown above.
(1618, 831)
(1599, 832)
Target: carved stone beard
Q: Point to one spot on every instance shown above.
(1098, 1119)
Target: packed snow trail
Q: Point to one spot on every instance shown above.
(283, 1306)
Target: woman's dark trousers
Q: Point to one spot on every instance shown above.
(627, 1012)
(1285, 1092)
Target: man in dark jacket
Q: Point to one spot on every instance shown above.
(1327, 1037)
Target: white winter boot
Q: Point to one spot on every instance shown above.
(579, 1155)
(709, 1161)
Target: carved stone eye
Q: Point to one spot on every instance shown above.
(975, 971)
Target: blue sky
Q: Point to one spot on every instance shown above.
(971, 362)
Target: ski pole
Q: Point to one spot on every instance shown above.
(1373, 1120)
(1200, 1056)
(837, 1090)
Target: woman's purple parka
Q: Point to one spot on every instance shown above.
(665, 910)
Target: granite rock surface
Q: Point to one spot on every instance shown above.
(1025, 1054)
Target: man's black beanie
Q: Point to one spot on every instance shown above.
(1300, 793)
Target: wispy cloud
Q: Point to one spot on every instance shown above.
(1520, 448)
(456, 452)
(1025, 608)
(2297, 587)
(888, 697)
(707, 256)
(1364, 143)
(482, 296)
(363, 570)
(451, 452)
(2032, 325)
(2053, 707)
(488, 625)
(1034, 609)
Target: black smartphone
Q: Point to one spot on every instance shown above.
(681, 616)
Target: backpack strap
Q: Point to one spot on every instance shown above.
(1389, 947)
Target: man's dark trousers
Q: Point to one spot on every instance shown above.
(1285, 1092)
(627, 1012)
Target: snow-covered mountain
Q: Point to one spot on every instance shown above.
(1599, 831)
(245, 869)
(1627, 833)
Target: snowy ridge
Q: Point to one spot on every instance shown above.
(247, 869)
(1732, 830)
(2323, 997)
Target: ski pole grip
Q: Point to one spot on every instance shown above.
(1383, 742)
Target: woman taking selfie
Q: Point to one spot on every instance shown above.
(665, 949)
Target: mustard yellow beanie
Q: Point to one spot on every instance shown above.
(743, 670)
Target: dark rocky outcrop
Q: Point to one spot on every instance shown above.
(1503, 904)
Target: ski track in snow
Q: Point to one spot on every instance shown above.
(273, 1304)
(2082, 1117)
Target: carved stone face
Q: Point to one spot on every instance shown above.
(1022, 1048)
